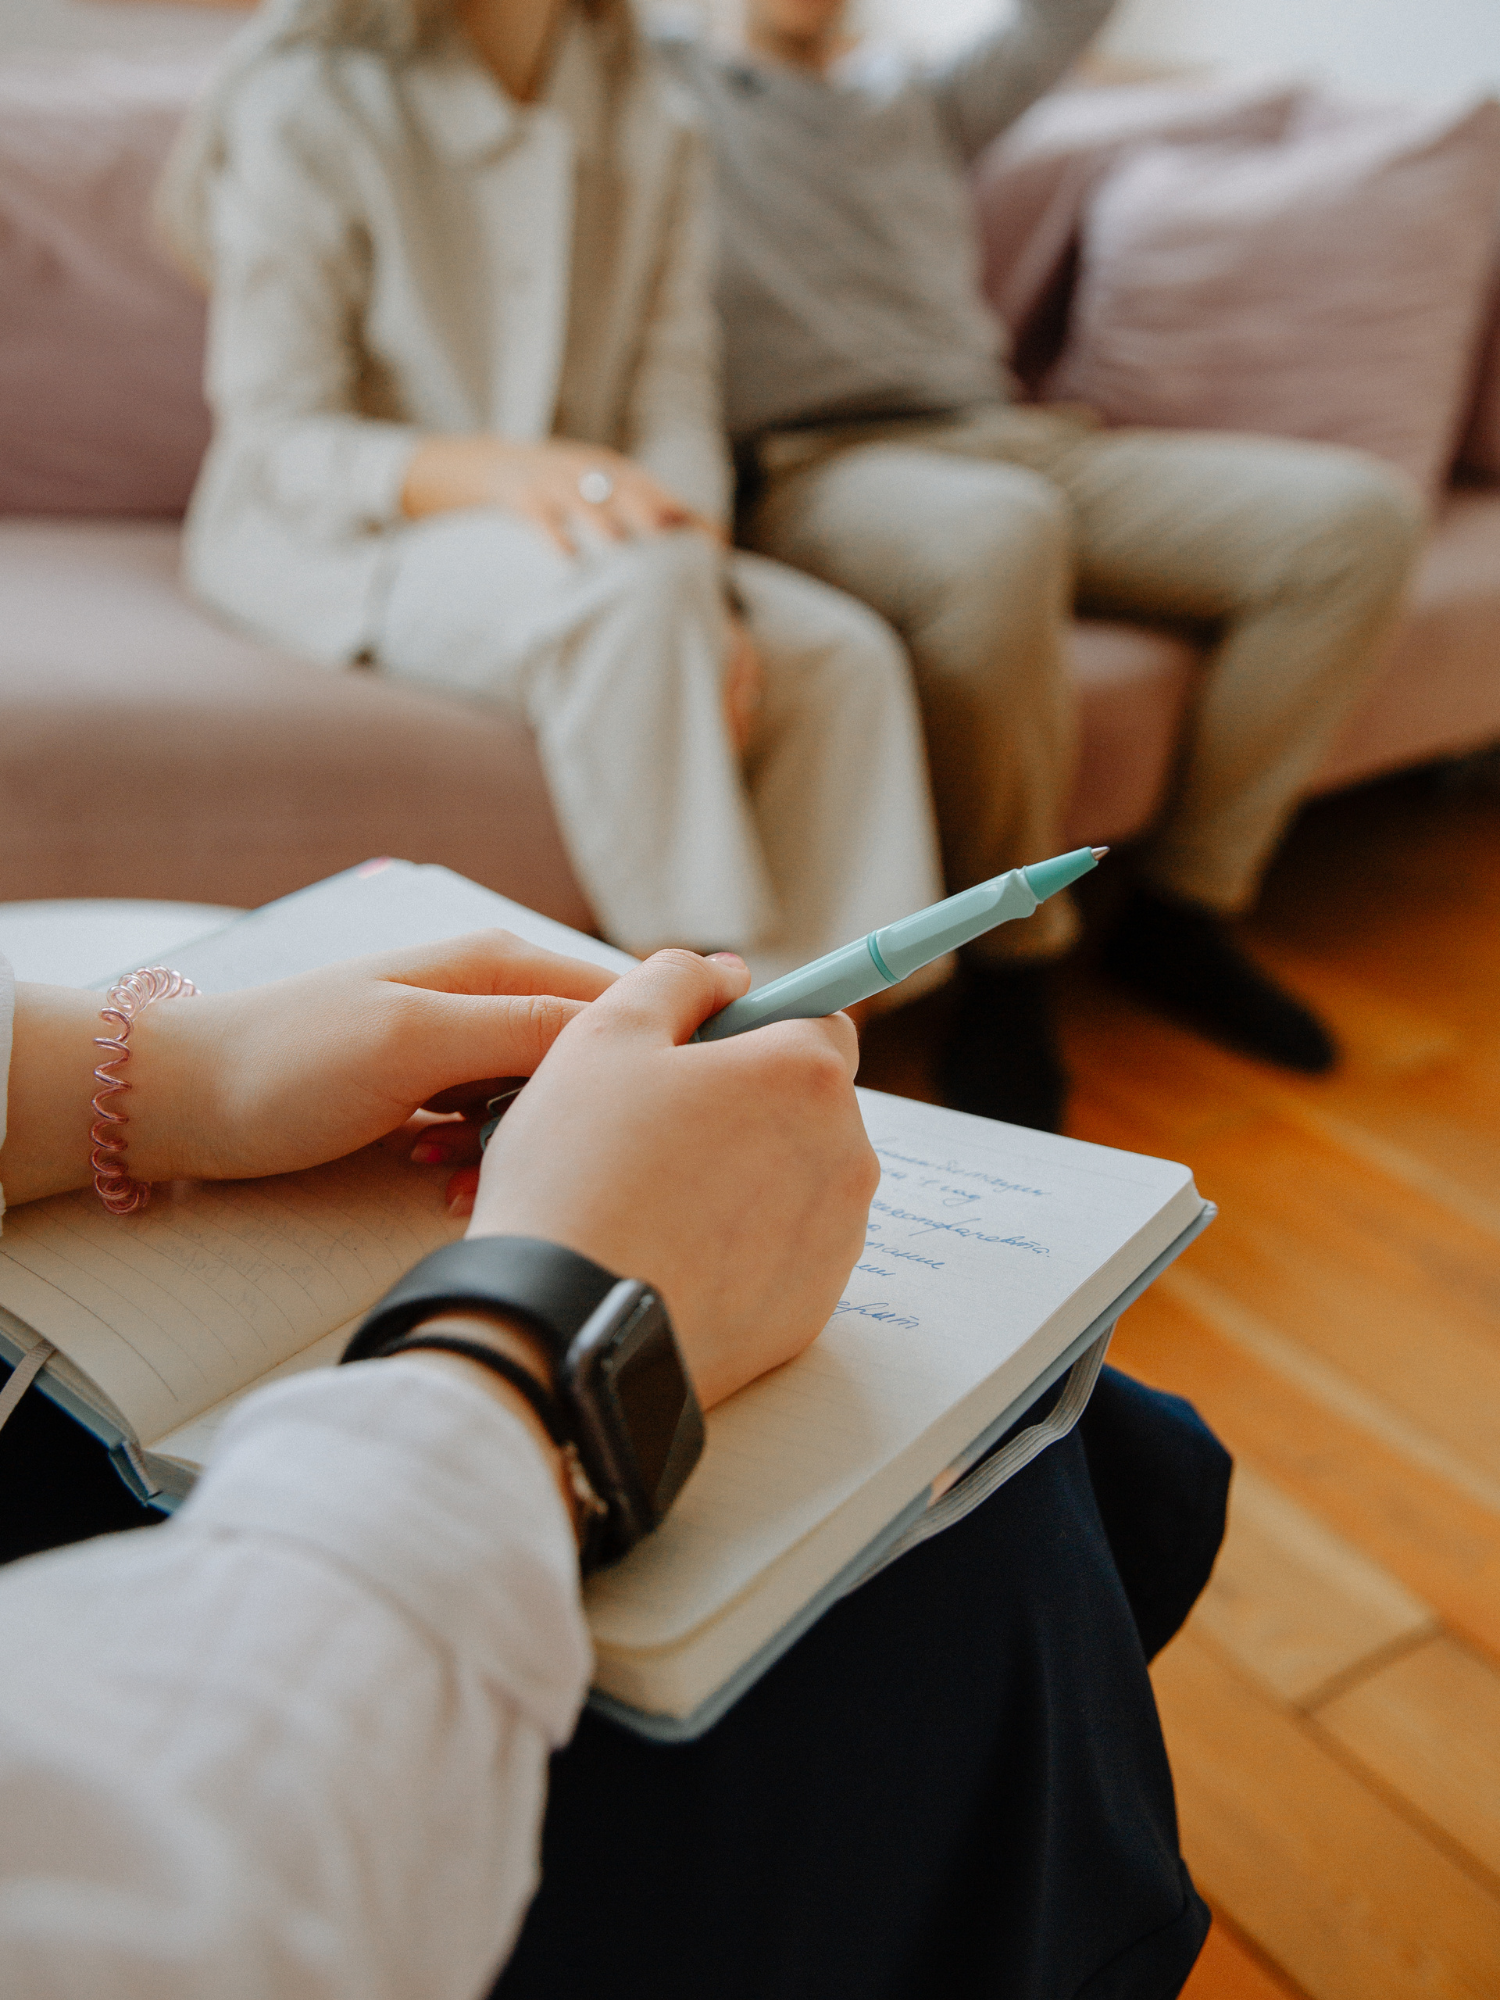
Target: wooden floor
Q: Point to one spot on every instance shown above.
(1333, 1707)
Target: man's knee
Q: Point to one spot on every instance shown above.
(906, 528)
(999, 527)
(1361, 514)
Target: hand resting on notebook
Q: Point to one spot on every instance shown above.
(231, 1086)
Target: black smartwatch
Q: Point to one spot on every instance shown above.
(626, 1400)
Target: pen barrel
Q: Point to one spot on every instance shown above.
(839, 980)
(912, 942)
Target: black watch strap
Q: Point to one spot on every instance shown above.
(624, 1400)
(551, 1290)
(522, 1380)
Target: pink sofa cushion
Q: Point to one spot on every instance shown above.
(1438, 693)
(1133, 686)
(1330, 286)
(101, 340)
(1032, 185)
(146, 749)
(1480, 450)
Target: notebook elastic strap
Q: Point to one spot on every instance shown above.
(23, 1375)
(991, 1473)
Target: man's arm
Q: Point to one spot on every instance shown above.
(990, 84)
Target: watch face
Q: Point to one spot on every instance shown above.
(646, 1376)
(638, 1404)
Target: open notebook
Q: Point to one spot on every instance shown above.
(996, 1257)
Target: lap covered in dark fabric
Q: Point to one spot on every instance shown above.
(57, 1484)
(957, 1775)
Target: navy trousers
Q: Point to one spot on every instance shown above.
(956, 1775)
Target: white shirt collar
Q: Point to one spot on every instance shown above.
(467, 116)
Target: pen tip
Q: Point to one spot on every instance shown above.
(1100, 852)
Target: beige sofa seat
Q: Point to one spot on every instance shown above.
(1439, 694)
(147, 750)
(1133, 684)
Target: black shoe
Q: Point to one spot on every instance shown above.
(1184, 960)
(1001, 1059)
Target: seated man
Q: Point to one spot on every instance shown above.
(882, 452)
(294, 1744)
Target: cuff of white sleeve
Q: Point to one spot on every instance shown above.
(693, 469)
(437, 1497)
(375, 474)
(343, 475)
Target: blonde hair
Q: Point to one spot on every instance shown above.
(394, 29)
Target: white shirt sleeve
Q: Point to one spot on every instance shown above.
(293, 1745)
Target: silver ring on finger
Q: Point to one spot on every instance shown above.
(596, 487)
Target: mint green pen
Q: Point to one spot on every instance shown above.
(897, 950)
(891, 954)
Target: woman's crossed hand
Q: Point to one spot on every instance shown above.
(273, 1078)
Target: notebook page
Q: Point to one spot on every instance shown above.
(380, 906)
(194, 1443)
(989, 1249)
(174, 1309)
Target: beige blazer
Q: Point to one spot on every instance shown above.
(394, 254)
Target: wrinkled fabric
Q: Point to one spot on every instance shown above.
(294, 1742)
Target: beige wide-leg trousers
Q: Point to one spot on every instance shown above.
(976, 536)
(617, 659)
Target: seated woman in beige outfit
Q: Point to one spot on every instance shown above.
(463, 370)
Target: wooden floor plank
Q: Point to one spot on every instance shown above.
(1399, 889)
(1436, 1130)
(1429, 1725)
(1381, 1033)
(1386, 1285)
(1443, 1546)
(1327, 1877)
(1383, 1416)
(1143, 1083)
(1294, 1604)
(1227, 1969)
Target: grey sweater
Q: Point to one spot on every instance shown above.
(848, 279)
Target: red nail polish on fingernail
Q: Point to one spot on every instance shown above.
(428, 1155)
(461, 1205)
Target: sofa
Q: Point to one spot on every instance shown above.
(147, 749)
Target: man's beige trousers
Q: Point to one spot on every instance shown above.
(976, 536)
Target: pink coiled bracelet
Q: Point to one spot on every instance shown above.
(114, 1187)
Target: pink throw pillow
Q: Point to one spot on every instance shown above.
(1032, 185)
(101, 339)
(1326, 287)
